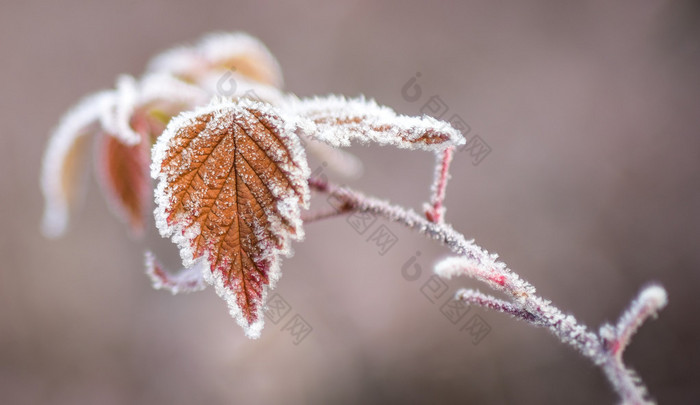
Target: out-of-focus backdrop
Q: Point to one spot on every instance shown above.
(591, 189)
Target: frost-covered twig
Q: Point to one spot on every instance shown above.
(435, 211)
(615, 340)
(651, 300)
(185, 280)
(604, 349)
(475, 297)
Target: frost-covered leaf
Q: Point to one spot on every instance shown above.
(123, 174)
(243, 53)
(62, 172)
(221, 52)
(232, 177)
(337, 121)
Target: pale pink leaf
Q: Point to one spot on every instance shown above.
(63, 165)
(221, 52)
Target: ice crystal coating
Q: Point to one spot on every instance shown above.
(231, 182)
(337, 121)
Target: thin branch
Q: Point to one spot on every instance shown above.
(491, 272)
(649, 302)
(616, 339)
(435, 211)
(186, 280)
(443, 233)
(604, 349)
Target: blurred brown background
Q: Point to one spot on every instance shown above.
(592, 111)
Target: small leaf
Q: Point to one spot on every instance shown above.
(123, 173)
(232, 177)
(63, 167)
(243, 53)
(336, 121)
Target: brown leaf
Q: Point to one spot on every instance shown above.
(123, 173)
(231, 179)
